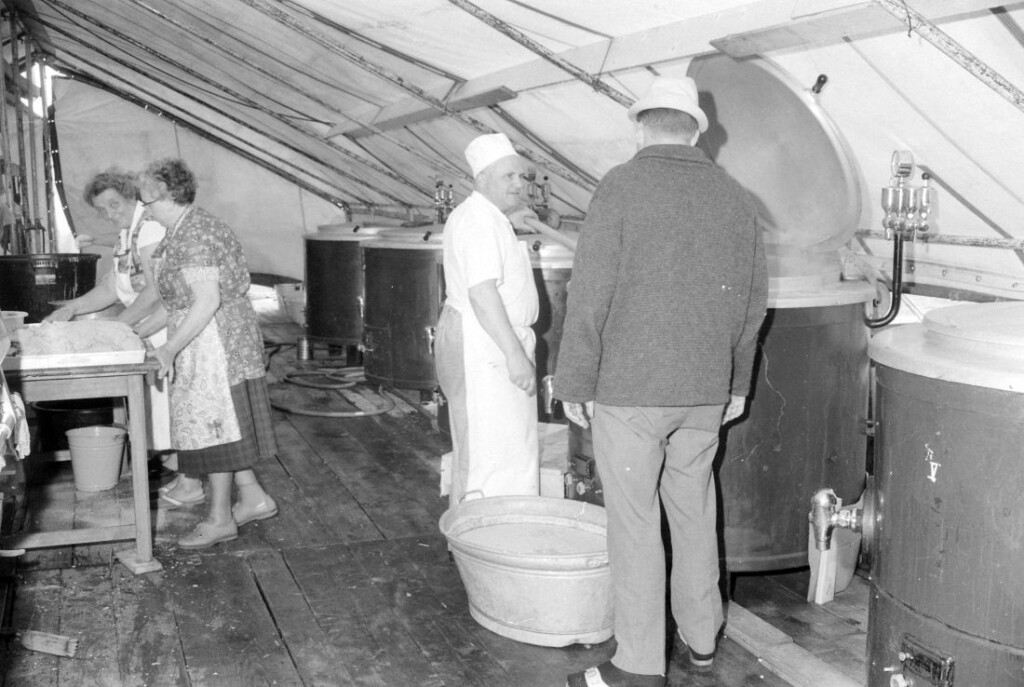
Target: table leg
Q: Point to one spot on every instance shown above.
(141, 560)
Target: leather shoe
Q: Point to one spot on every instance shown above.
(243, 514)
(206, 534)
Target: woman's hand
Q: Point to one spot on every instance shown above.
(61, 314)
(165, 357)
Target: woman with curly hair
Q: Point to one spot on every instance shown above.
(220, 413)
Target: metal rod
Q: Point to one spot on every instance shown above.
(33, 157)
(44, 84)
(238, 120)
(396, 80)
(96, 83)
(554, 234)
(286, 121)
(19, 122)
(5, 149)
(896, 290)
(952, 240)
(284, 81)
(533, 46)
(934, 35)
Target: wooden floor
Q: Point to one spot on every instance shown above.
(350, 585)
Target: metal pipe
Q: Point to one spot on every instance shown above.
(19, 123)
(897, 285)
(519, 37)
(36, 214)
(542, 228)
(952, 240)
(44, 84)
(825, 516)
(5, 149)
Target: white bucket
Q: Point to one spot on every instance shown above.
(535, 568)
(13, 319)
(96, 453)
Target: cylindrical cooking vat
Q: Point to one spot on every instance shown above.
(334, 282)
(946, 583)
(552, 270)
(404, 284)
(804, 426)
(32, 282)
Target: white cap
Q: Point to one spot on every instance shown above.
(673, 94)
(485, 150)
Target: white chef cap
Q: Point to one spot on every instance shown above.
(485, 150)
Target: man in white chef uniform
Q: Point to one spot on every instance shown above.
(484, 350)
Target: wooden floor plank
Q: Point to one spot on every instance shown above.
(328, 577)
(318, 662)
(36, 607)
(87, 614)
(227, 634)
(325, 497)
(149, 651)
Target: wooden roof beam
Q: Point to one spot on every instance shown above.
(819, 22)
(699, 36)
(485, 99)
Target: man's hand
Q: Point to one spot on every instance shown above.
(579, 413)
(518, 218)
(735, 408)
(522, 373)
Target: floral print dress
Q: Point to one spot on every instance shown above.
(229, 349)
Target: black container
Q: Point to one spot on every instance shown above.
(54, 418)
(334, 283)
(31, 282)
(946, 584)
(804, 429)
(404, 281)
(552, 270)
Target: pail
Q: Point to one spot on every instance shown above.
(535, 568)
(54, 418)
(96, 456)
(13, 319)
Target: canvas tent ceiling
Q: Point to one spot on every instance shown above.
(368, 103)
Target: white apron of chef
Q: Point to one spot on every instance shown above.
(502, 418)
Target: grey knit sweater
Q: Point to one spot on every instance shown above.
(669, 286)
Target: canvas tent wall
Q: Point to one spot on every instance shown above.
(370, 102)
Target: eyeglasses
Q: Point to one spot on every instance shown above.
(144, 203)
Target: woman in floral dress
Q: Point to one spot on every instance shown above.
(220, 412)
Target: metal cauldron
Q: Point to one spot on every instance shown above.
(552, 270)
(946, 583)
(32, 282)
(404, 284)
(334, 282)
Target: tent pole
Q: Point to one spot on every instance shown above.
(241, 97)
(237, 120)
(946, 45)
(519, 37)
(281, 80)
(360, 61)
(44, 84)
(13, 245)
(33, 158)
(19, 122)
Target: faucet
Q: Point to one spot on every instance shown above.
(825, 516)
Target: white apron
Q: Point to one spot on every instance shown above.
(501, 437)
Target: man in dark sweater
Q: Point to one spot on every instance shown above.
(669, 289)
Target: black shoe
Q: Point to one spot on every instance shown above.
(700, 663)
(607, 675)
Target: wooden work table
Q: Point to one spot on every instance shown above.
(99, 381)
